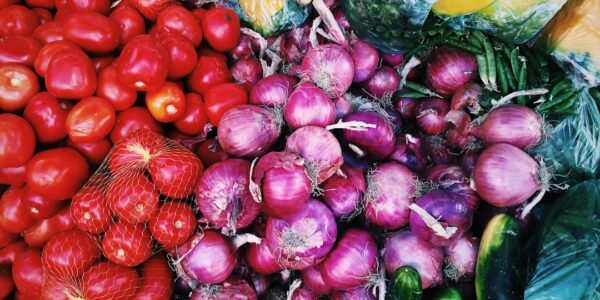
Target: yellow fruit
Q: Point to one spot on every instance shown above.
(452, 8)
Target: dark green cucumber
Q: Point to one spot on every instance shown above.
(405, 284)
(497, 270)
(447, 294)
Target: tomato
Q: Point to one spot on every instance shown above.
(89, 210)
(70, 253)
(221, 28)
(43, 230)
(57, 173)
(107, 281)
(47, 53)
(127, 244)
(63, 219)
(150, 8)
(8, 253)
(167, 103)
(92, 31)
(221, 98)
(94, 152)
(100, 6)
(39, 207)
(207, 51)
(71, 75)
(48, 117)
(14, 214)
(19, 49)
(17, 20)
(182, 55)
(6, 283)
(17, 141)
(49, 32)
(180, 20)
(6, 238)
(132, 197)
(13, 176)
(157, 279)
(17, 85)
(109, 87)
(210, 152)
(209, 72)
(90, 120)
(194, 119)
(133, 119)
(199, 13)
(27, 272)
(41, 4)
(173, 224)
(134, 152)
(130, 22)
(102, 62)
(143, 63)
(175, 172)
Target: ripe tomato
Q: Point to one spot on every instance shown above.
(110, 88)
(94, 152)
(180, 20)
(157, 279)
(107, 281)
(14, 214)
(89, 210)
(167, 103)
(19, 49)
(132, 197)
(71, 75)
(207, 51)
(209, 71)
(173, 224)
(44, 14)
(100, 6)
(48, 117)
(47, 53)
(70, 253)
(221, 28)
(90, 120)
(49, 32)
(199, 13)
(150, 8)
(221, 98)
(63, 219)
(17, 85)
(131, 120)
(182, 55)
(130, 22)
(13, 176)
(133, 153)
(102, 62)
(27, 272)
(17, 141)
(210, 152)
(57, 173)
(6, 283)
(92, 31)
(143, 63)
(39, 207)
(17, 20)
(39, 233)
(8, 253)
(127, 244)
(41, 4)
(194, 119)
(6, 238)
(175, 172)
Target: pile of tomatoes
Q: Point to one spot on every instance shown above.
(77, 77)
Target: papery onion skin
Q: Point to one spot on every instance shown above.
(248, 130)
(437, 150)
(318, 147)
(453, 178)
(360, 292)
(376, 143)
(467, 96)
(429, 115)
(511, 124)
(461, 258)
(261, 284)
(308, 105)
(505, 176)
(244, 49)
(211, 258)
(383, 83)
(312, 279)
(366, 59)
(403, 248)
(352, 261)
(343, 193)
(303, 239)
(295, 43)
(247, 72)
(468, 161)
(330, 67)
(272, 90)
(448, 69)
(390, 189)
(233, 289)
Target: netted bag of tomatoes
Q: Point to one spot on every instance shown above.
(136, 208)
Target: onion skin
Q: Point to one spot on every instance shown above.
(272, 90)
(452, 178)
(351, 262)
(302, 293)
(247, 72)
(392, 60)
(384, 82)
(467, 96)
(248, 131)
(343, 193)
(406, 107)
(233, 289)
(211, 258)
(403, 248)
(318, 147)
(261, 284)
(505, 176)
(295, 43)
(365, 58)
(376, 143)
(389, 193)
(312, 279)
(342, 107)
(330, 67)
(461, 258)
(437, 150)
(468, 161)
(360, 293)
(409, 152)
(448, 69)
(511, 124)
(429, 115)
(259, 257)
(308, 105)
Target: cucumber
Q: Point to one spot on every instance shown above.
(447, 294)
(405, 284)
(497, 270)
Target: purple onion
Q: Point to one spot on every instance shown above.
(448, 69)
(342, 107)
(303, 293)
(260, 283)
(452, 178)
(362, 293)
(406, 107)
(319, 148)
(467, 96)
(232, 289)
(383, 83)
(259, 256)
(468, 160)
(309, 105)
(437, 150)
(247, 72)
(429, 115)
(295, 43)
(373, 143)
(392, 60)
(330, 67)
(512, 124)
(272, 90)
(200, 252)
(343, 191)
(244, 49)
(409, 152)
(461, 258)
(366, 59)
(341, 19)
(312, 279)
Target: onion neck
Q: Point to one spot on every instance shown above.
(253, 186)
(293, 287)
(351, 125)
(432, 223)
(335, 32)
(245, 238)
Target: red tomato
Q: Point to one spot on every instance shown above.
(94, 152)
(127, 244)
(39, 207)
(102, 62)
(132, 197)
(17, 20)
(14, 215)
(182, 55)
(57, 173)
(131, 120)
(49, 32)
(89, 210)
(92, 31)
(6, 283)
(134, 151)
(130, 22)
(210, 152)
(209, 72)
(48, 117)
(109, 87)
(100, 6)
(17, 85)
(43, 4)
(90, 120)
(27, 272)
(6, 238)
(143, 63)
(180, 20)
(39, 233)
(19, 49)
(63, 219)
(8, 253)
(167, 103)
(70, 253)
(173, 224)
(199, 13)
(13, 176)
(108, 281)
(71, 75)
(150, 8)
(175, 172)
(221, 98)
(207, 51)
(47, 53)
(221, 28)
(157, 279)
(17, 141)
(194, 119)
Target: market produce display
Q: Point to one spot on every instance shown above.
(299, 150)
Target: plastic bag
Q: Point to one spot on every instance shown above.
(566, 251)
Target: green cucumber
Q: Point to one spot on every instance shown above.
(405, 284)
(447, 294)
(497, 270)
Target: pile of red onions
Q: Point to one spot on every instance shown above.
(343, 191)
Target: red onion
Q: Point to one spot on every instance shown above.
(261, 284)
(207, 257)
(373, 143)
(390, 188)
(383, 83)
(403, 248)
(366, 59)
(284, 182)
(467, 96)
(223, 195)
(429, 115)
(461, 257)
(258, 256)
(245, 48)
(354, 293)
(247, 72)
(452, 178)
(440, 217)
(319, 148)
(309, 105)
(248, 130)
(468, 160)
(437, 151)
(303, 293)
(343, 191)
(232, 289)
(406, 107)
(353, 261)
(448, 69)
(340, 18)
(295, 43)
(512, 124)
(303, 239)
(272, 90)
(392, 60)
(330, 67)
(312, 279)
(458, 140)
(342, 107)
(409, 152)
